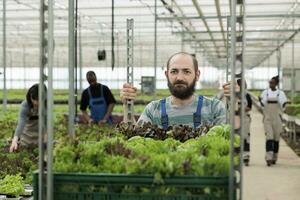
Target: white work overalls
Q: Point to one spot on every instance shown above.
(272, 127)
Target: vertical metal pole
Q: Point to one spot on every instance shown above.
(182, 38)
(42, 99)
(80, 55)
(10, 66)
(130, 78)
(227, 66)
(141, 55)
(227, 52)
(71, 129)
(269, 66)
(155, 46)
(24, 65)
(118, 58)
(232, 98)
(4, 57)
(112, 34)
(118, 51)
(278, 64)
(50, 100)
(293, 68)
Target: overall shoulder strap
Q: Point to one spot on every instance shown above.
(101, 88)
(89, 92)
(197, 114)
(164, 117)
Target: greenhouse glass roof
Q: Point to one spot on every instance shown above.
(196, 26)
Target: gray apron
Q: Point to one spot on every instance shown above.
(272, 124)
(272, 120)
(30, 133)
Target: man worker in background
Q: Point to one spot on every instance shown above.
(247, 119)
(183, 107)
(99, 99)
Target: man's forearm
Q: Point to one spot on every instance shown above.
(109, 111)
(86, 116)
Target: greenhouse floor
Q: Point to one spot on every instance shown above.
(278, 182)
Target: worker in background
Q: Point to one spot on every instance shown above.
(247, 120)
(183, 107)
(27, 130)
(100, 101)
(273, 101)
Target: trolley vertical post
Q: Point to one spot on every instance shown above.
(243, 98)
(130, 80)
(42, 96)
(50, 101)
(232, 99)
(71, 129)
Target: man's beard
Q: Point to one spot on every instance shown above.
(182, 91)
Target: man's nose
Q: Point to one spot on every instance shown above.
(180, 76)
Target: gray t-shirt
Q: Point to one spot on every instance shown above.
(213, 112)
(24, 115)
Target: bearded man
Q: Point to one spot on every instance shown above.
(183, 107)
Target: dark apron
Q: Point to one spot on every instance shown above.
(30, 133)
(98, 107)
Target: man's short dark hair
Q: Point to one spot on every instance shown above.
(276, 79)
(91, 77)
(195, 62)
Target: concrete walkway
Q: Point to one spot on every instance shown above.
(278, 182)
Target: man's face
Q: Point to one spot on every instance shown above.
(91, 78)
(272, 84)
(181, 76)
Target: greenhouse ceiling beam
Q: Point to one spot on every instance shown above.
(190, 26)
(56, 17)
(217, 2)
(278, 47)
(225, 16)
(248, 51)
(247, 31)
(249, 46)
(136, 6)
(200, 13)
(248, 39)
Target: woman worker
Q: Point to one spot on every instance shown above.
(27, 129)
(273, 101)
